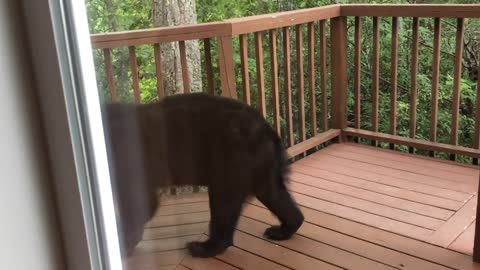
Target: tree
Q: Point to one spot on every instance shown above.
(178, 12)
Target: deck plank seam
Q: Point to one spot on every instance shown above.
(366, 240)
(386, 184)
(182, 266)
(419, 183)
(181, 213)
(375, 202)
(139, 253)
(413, 156)
(449, 245)
(358, 222)
(180, 203)
(390, 167)
(434, 239)
(252, 253)
(424, 203)
(176, 214)
(232, 265)
(361, 210)
(382, 193)
(315, 240)
(279, 244)
(169, 237)
(404, 161)
(453, 184)
(212, 258)
(163, 226)
(404, 157)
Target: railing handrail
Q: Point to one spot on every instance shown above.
(250, 24)
(264, 22)
(412, 10)
(161, 34)
(235, 26)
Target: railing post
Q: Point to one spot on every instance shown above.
(338, 35)
(476, 240)
(227, 69)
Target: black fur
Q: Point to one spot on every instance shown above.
(196, 139)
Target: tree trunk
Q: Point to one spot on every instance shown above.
(178, 12)
(170, 13)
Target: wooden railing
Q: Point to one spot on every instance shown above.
(178, 34)
(224, 34)
(332, 124)
(460, 12)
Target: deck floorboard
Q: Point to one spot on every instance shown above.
(364, 207)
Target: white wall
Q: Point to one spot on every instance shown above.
(29, 231)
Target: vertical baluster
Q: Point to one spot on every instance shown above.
(457, 76)
(245, 75)
(435, 78)
(288, 86)
(183, 61)
(260, 76)
(413, 81)
(209, 66)
(357, 78)
(301, 83)
(108, 69)
(134, 69)
(311, 77)
(274, 69)
(158, 70)
(323, 75)
(393, 80)
(375, 75)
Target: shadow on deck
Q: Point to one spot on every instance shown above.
(365, 208)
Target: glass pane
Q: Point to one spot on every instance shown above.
(193, 166)
(180, 154)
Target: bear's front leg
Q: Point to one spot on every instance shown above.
(225, 209)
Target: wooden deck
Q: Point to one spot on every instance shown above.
(365, 208)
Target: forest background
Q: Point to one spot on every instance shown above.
(120, 15)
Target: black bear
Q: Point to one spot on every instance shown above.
(197, 139)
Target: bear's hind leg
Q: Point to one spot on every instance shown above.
(277, 199)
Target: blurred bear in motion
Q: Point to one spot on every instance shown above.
(197, 139)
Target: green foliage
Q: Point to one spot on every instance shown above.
(119, 15)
